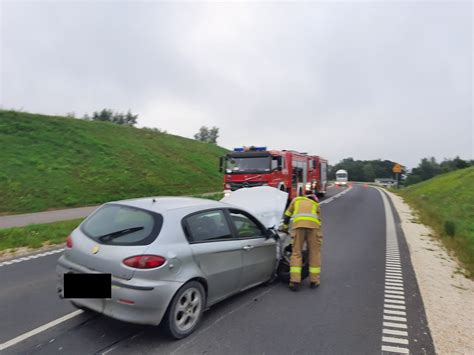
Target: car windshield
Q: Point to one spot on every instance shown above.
(248, 165)
(122, 225)
(341, 175)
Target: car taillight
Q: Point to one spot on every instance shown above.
(144, 261)
(69, 241)
(227, 186)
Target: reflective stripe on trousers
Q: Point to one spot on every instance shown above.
(312, 236)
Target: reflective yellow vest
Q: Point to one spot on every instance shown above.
(304, 213)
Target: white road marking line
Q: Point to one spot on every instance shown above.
(393, 301)
(394, 306)
(395, 319)
(394, 283)
(395, 296)
(44, 327)
(395, 332)
(395, 340)
(30, 257)
(394, 292)
(396, 313)
(395, 349)
(395, 325)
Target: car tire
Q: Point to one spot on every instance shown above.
(185, 310)
(283, 270)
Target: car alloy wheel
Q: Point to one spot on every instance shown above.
(188, 309)
(185, 310)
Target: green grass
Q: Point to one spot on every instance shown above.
(37, 235)
(56, 162)
(446, 203)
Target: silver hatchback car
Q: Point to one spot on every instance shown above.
(172, 257)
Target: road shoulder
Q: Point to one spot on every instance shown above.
(448, 296)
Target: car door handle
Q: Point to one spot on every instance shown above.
(247, 247)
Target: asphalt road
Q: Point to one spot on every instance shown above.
(351, 313)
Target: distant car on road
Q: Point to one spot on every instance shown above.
(172, 257)
(386, 182)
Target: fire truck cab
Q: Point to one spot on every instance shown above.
(257, 166)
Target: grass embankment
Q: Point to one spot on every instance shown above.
(38, 235)
(446, 203)
(55, 162)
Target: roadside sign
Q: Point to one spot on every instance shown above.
(397, 168)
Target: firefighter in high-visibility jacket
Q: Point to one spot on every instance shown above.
(305, 212)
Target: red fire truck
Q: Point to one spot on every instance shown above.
(286, 170)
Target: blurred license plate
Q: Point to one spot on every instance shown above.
(87, 285)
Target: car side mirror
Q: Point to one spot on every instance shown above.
(271, 233)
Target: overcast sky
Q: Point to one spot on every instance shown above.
(368, 80)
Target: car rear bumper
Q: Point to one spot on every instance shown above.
(135, 301)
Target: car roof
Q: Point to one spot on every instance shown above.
(162, 204)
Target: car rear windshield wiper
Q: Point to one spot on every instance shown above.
(117, 234)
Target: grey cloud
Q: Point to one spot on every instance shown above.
(363, 79)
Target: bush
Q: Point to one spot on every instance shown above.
(450, 228)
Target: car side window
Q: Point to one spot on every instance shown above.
(245, 226)
(207, 226)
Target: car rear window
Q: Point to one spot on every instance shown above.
(115, 224)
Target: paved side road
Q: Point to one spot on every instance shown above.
(21, 220)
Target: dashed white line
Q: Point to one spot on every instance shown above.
(394, 312)
(395, 332)
(30, 257)
(394, 296)
(395, 319)
(395, 325)
(394, 286)
(388, 300)
(394, 283)
(394, 340)
(395, 349)
(394, 292)
(393, 306)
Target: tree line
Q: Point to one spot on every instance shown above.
(429, 167)
(205, 134)
(369, 170)
(364, 170)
